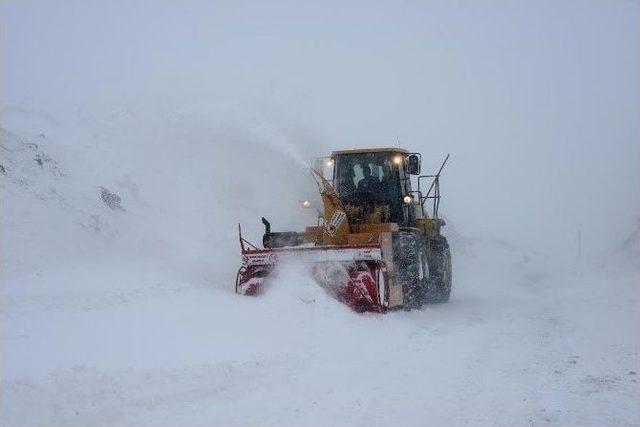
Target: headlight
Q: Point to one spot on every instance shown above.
(397, 160)
(328, 162)
(407, 200)
(305, 204)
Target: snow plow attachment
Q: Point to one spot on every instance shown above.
(353, 274)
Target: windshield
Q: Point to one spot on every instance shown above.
(365, 173)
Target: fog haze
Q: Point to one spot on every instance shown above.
(537, 102)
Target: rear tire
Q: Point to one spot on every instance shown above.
(440, 277)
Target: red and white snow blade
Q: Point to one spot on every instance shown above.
(353, 274)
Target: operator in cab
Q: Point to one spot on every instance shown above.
(368, 184)
(345, 182)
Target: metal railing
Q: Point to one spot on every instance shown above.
(433, 192)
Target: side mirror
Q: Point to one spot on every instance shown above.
(413, 165)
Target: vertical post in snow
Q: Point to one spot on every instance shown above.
(579, 244)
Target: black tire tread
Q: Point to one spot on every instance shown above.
(440, 277)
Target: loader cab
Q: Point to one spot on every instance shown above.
(376, 182)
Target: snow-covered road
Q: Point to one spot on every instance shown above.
(140, 346)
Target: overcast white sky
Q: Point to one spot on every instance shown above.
(538, 102)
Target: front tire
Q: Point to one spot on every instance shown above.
(409, 267)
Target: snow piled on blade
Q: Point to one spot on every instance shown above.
(127, 316)
(292, 285)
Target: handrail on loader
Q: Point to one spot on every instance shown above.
(435, 187)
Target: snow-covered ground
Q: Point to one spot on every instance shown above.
(128, 317)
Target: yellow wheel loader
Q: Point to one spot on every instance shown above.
(377, 244)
